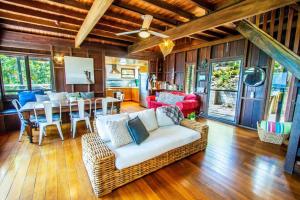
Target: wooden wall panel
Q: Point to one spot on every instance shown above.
(180, 61)
(252, 109)
(191, 56)
(59, 79)
(171, 63)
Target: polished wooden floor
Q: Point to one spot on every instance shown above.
(235, 165)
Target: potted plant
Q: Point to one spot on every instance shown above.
(192, 116)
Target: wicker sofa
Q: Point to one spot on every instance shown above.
(99, 160)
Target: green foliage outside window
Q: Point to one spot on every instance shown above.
(225, 75)
(14, 74)
(40, 73)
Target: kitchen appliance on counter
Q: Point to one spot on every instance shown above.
(143, 90)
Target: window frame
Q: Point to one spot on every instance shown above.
(28, 77)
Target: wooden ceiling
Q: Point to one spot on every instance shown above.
(63, 18)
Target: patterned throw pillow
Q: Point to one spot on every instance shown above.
(118, 132)
(101, 124)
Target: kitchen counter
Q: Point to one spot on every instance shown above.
(130, 93)
(121, 87)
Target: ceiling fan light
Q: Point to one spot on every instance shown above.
(144, 34)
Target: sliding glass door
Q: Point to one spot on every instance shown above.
(224, 89)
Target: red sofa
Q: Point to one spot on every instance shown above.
(190, 103)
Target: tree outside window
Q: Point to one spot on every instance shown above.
(19, 75)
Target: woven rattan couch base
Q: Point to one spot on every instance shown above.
(100, 160)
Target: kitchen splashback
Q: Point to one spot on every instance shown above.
(121, 83)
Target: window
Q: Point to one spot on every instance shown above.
(224, 88)
(278, 97)
(40, 73)
(127, 73)
(21, 73)
(13, 74)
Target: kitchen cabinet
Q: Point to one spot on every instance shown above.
(135, 94)
(130, 94)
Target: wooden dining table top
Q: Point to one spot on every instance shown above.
(30, 106)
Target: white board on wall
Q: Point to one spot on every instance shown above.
(79, 70)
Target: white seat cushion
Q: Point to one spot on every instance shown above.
(148, 117)
(160, 141)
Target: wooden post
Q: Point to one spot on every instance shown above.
(270, 46)
(291, 154)
(291, 61)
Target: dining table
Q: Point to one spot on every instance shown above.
(28, 109)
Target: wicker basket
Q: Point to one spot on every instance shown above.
(269, 137)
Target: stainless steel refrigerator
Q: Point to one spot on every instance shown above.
(143, 90)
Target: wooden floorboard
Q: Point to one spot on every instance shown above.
(235, 165)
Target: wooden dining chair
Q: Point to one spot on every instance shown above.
(48, 119)
(80, 115)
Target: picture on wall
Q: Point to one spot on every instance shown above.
(79, 70)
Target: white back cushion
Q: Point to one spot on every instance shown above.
(118, 132)
(148, 118)
(169, 98)
(101, 121)
(162, 118)
(59, 96)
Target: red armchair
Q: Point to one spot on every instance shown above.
(190, 103)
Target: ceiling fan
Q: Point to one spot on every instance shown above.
(145, 32)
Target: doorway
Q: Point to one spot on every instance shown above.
(223, 93)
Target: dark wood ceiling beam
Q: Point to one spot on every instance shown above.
(230, 14)
(167, 21)
(116, 25)
(103, 32)
(271, 46)
(172, 8)
(63, 13)
(42, 42)
(132, 20)
(47, 8)
(85, 7)
(227, 30)
(206, 6)
(97, 11)
(200, 37)
(37, 29)
(214, 34)
(225, 4)
(60, 19)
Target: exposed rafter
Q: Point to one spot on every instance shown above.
(102, 31)
(168, 22)
(271, 46)
(172, 8)
(97, 10)
(208, 7)
(233, 13)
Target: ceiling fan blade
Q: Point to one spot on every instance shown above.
(128, 32)
(158, 34)
(147, 21)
